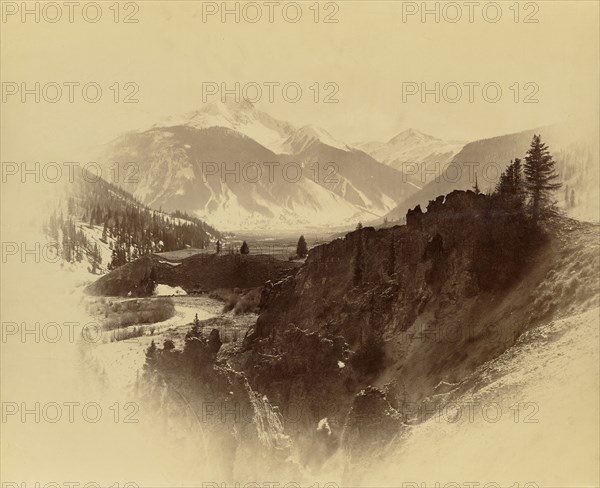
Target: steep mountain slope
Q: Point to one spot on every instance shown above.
(353, 174)
(419, 155)
(300, 139)
(576, 153)
(405, 309)
(220, 164)
(529, 415)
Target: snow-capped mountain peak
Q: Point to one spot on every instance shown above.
(309, 134)
(414, 147)
(411, 136)
(241, 116)
(336, 184)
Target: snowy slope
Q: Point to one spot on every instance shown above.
(427, 155)
(309, 134)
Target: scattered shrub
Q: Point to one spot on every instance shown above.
(231, 302)
(237, 300)
(127, 333)
(244, 305)
(133, 312)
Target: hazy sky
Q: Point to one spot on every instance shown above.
(369, 53)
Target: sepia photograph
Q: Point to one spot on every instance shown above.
(300, 244)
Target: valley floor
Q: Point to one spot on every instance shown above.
(122, 361)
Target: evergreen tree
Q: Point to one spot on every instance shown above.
(53, 228)
(302, 248)
(358, 263)
(244, 249)
(196, 326)
(517, 177)
(151, 354)
(96, 258)
(359, 226)
(572, 199)
(539, 176)
(66, 244)
(510, 187)
(392, 257)
(104, 233)
(476, 186)
(151, 281)
(218, 247)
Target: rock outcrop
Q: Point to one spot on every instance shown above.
(195, 274)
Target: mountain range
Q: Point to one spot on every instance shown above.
(238, 168)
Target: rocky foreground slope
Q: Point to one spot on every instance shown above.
(379, 331)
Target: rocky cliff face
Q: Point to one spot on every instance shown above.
(354, 314)
(381, 279)
(410, 310)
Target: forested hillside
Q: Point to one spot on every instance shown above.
(107, 226)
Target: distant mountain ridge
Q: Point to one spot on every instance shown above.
(417, 154)
(575, 151)
(237, 167)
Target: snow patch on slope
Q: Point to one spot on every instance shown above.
(168, 291)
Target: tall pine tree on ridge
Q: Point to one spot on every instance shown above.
(540, 174)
